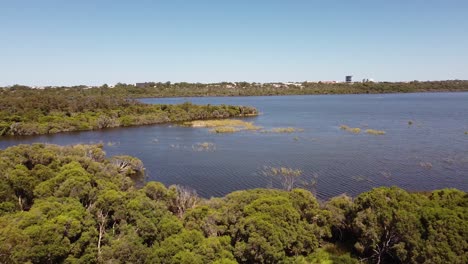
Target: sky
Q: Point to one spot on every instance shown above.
(92, 42)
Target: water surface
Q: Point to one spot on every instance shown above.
(431, 153)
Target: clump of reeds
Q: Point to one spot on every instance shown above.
(355, 130)
(204, 146)
(288, 176)
(224, 125)
(360, 178)
(283, 130)
(224, 129)
(426, 165)
(375, 132)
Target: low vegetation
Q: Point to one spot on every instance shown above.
(204, 146)
(224, 126)
(355, 130)
(426, 165)
(26, 112)
(224, 130)
(75, 205)
(375, 132)
(284, 130)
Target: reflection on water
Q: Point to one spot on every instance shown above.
(424, 146)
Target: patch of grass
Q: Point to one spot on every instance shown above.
(283, 130)
(204, 146)
(360, 178)
(375, 132)
(355, 130)
(426, 165)
(224, 129)
(224, 125)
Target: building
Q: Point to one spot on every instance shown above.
(349, 79)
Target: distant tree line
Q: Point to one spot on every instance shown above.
(75, 205)
(25, 111)
(181, 89)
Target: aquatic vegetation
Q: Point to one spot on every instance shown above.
(466, 132)
(360, 178)
(283, 130)
(110, 143)
(204, 146)
(355, 130)
(426, 165)
(296, 138)
(224, 125)
(410, 122)
(375, 132)
(386, 174)
(287, 176)
(448, 160)
(224, 129)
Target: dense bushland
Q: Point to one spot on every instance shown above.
(168, 89)
(75, 205)
(26, 111)
(256, 89)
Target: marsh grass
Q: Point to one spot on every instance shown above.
(224, 125)
(288, 176)
(426, 165)
(284, 130)
(204, 146)
(355, 130)
(386, 174)
(375, 132)
(360, 178)
(224, 129)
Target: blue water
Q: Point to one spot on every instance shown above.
(431, 153)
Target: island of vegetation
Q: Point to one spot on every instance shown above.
(73, 204)
(32, 112)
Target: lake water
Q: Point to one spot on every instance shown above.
(431, 153)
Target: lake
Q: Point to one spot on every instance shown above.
(431, 153)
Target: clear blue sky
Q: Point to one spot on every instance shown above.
(93, 42)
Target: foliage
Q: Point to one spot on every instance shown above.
(31, 112)
(184, 89)
(74, 205)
